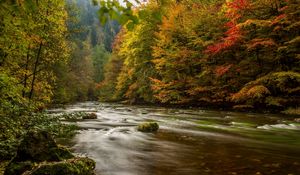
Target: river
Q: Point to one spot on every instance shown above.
(189, 141)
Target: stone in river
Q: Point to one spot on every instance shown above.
(148, 127)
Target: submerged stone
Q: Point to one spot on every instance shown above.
(148, 127)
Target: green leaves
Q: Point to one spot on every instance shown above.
(142, 14)
(33, 39)
(157, 16)
(13, 128)
(130, 26)
(103, 15)
(123, 13)
(30, 5)
(95, 2)
(11, 101)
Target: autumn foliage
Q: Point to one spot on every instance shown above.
(233, 34)
(217, 53)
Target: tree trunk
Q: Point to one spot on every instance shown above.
(35, 70)
(25, 77)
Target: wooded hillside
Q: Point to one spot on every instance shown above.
(241, 53)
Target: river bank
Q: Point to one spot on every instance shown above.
(229, 107)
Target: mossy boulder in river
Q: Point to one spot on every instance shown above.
(39, 149)
(75, 116)
(38, 146)
(148, 127)
(89, 116)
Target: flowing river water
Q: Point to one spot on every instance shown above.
(189, 141)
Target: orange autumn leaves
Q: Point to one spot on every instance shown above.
(205, 53)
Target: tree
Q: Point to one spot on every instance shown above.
(219, 53)
(100, 57)
(136, 50)
(32, 28)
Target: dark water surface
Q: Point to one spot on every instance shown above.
(189, 141)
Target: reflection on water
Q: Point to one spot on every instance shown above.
(189, 141)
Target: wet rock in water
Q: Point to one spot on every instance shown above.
(75, 116)
(75, 166)
(90, 116)
(39, 146)
(144, 112)
(148, 127)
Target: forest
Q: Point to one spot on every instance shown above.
(236, 55)
(239, 54)
(52, 52)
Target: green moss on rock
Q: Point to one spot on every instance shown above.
(148, 127)
(75, 166)
(77, 116)
(39, 146)
(62, 153)
(17, 168)
(39, 154)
